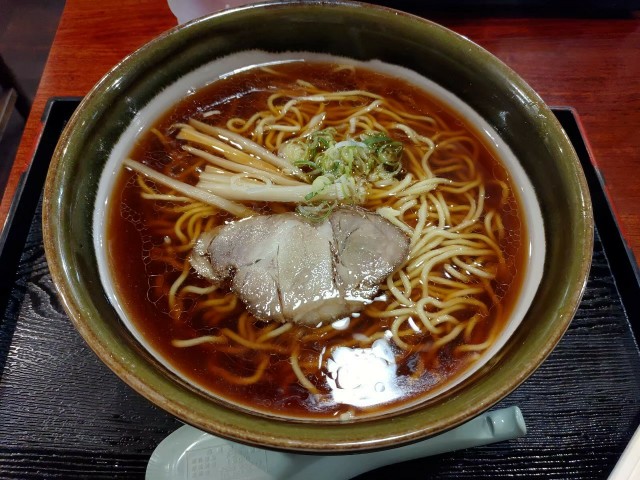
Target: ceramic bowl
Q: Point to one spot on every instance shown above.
(362, 32)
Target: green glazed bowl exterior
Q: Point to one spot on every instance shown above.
(362, 32)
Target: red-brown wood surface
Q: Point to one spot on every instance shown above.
(592, 65)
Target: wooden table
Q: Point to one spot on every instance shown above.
(592, 65)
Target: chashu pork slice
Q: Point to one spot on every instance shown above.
(285, 268)
(367, 248)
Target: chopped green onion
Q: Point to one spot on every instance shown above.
(349, 164)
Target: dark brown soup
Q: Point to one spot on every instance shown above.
(429, 321)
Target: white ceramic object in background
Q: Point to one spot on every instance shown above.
(186, 10)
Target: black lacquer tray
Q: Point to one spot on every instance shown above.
(63, 414)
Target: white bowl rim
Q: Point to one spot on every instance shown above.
(239, 61)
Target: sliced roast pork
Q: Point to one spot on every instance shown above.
(285, 268)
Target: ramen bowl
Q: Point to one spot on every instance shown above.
(135, 93)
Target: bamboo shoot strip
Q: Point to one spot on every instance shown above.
(237, 168)
(235, 179)
(231, 153)
(273, 193)
(189, 190)
(249, 146)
